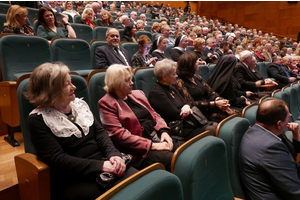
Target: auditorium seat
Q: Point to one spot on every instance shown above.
(145, 80)
(74, 53)
(99, 33)
(150, 183)
(93, 45)
(201, 165)
(203, 71)
(131, 47)
(139, 33)
(231, 131)
(83, 31)
(249, 112)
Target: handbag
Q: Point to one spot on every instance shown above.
(176, 127)
(105, 179)
(196, 119)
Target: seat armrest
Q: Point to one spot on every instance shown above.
(33, 177)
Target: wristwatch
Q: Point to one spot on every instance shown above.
(67, 24)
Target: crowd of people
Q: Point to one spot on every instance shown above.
(77, 147)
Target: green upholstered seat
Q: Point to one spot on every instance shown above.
(74, 53)
(191, 48)
(83, 31)
(154, 36)
(3, 20)
(99, 33)
(293, 103)
(203, 71)
(147, 184)
(117, 23)
(231, 132)
(139, 33)
(121, 33)
(263, 69)
(211, 68)
(145, 80)
(77, 19)
(4, 7)
(32, 14)
(22, 54)
(131, 47)
(156, 20)
(96, 88)
(168, 48)
(93, 47)
(249, 112)
(148, 28)
(203, 170)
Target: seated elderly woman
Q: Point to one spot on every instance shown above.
(130, 121)
(16, 21)
(158, 48)
(196, 92)
(181, 43)
(167, 101)
(155, 27)
(140, 25)
(249, 78)
(142, 58)
(87, 17)
(49, 27)
(119, 15)
(68, 138)
(106, 19)
(223, 82)
(129, 33)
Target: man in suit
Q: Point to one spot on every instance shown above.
(209, 50)
(280, 73)
(112, 53)
(133, 17)
(125, 20)
(224, 47)
(166, 31)
(267, 52)
(267, 165)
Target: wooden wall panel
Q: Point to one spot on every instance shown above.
(279, 17)
(177, 4)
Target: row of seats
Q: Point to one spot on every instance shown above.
(205, 165)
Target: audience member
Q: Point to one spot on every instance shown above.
(87, 17)
(267, 52)
(106, 19)
(129, 33)
(142, 58)
(112, 53)
(209, 50)
(179, 47)
(224, 47)
(133, 17)
(69, 9)
(166, 31)
(125, 20)
(158, 48)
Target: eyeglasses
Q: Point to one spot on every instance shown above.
(147, 48)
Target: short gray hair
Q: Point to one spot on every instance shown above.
(245, 54)
(115, 77)
(123, 18)
(165, 66)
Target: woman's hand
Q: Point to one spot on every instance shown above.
(249, 93)
(258, 83)
(64, 20)
(185, 111)
(115, 165)
(166, 138)
(163, 146)
(151, 60)
(223, 104)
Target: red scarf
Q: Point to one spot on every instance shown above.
(89, 23)
(259, 56)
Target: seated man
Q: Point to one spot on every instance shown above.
(267, 158)
(209, 50)
(166, 31)
(280, 73)
(112, 53)
(125, 20)
(224, 47)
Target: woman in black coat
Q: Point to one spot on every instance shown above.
(181, 43)
(129, 33)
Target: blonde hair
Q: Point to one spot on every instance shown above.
(111, 20)
(165, 66)
(115, 77)
(65, 7)
(198, 41)
(46, 84)
(13, 13)
(85, 13)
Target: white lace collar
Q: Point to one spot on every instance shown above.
(59, 123)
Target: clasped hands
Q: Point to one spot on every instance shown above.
(166, 143)
(114, 165)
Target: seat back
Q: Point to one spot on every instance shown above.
(281, 95)
(3, 20)
(93, 47)
(116, 23)
(249, 112)
(154, 36)
(22, 54)
(35, 25)
(96, 88)
(83, 31)
(203, 71)
(145, 80)
(4, 7)
(131, 47)
(74, 53)
(263, 68)
(191, 48)
(77, 19)
(139, 33)
(293, 102)
(203, 170)
(231, 132)
(99, 33)
(25, 107)
(211, 68)
(148, 28)
(168, 48)
(150, 183)
(32, 13)
(121, 33)
(297, 87)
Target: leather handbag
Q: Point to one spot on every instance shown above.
(176, 127)
(196, 119)
(105, 179)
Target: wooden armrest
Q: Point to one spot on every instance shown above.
(33, 177)
(236, 198)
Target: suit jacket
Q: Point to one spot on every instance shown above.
(268, 56)
(275, 71)
(245, 77)
(122, 125)
(220, 53)
(207, 50)
(267, 168)
(106, 56)
(121, 26)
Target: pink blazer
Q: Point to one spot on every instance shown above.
(123, 126)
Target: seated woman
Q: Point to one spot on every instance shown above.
(258, 54)
(142, 58)
(140, 25)
(199, 44)
(87, 17)
(112, 8)
(16, 21)
(181, 43)
(106, 19)
(131, 122)
(158, 48)
(225, 84)
(155, 27)
(166, 100)
(196, 92)
(129, 33)
(119, 15)
(69, 9)
(68, 138)
(238, 50)
(49, 27)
